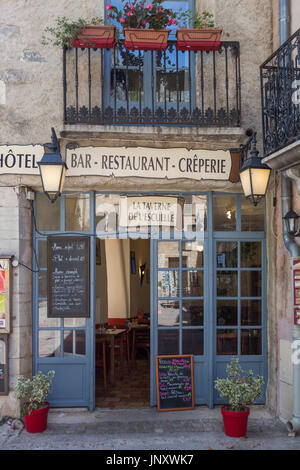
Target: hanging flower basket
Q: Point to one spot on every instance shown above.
(96, 36)
(146, 39)
(198, 39)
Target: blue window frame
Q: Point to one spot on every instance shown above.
(138, 79)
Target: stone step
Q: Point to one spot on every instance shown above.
(149, 420)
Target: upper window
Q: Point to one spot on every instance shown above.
(150, 80)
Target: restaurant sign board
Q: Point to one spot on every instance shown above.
(148, 211)
(120, 162)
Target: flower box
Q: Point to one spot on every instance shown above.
(96, 36)
(198, 39)
(146, 39)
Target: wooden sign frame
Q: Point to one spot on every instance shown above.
(4, 338)
(86, 312)
(5, 323)
(192, 382)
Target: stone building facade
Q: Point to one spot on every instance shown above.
(31, 103)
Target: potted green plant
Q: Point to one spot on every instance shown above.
(80, 33)
(202, 36)
(33, 394)
(144, 24)
(240, 390)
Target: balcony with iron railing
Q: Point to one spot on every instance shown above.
(280, 75)
(167, 88)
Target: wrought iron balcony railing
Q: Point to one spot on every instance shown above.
(121, 87)
(280, 76)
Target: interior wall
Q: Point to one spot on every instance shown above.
(101, 285)
(117, 254)
(140, 293)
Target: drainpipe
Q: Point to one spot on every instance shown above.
(293, 426)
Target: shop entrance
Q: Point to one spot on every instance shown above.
(198, 290)
(122, 323)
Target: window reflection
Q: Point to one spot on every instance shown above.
(227, 282)
(227, 312)
(78, 212)
(168, 313)
(251, 342)
(192, 283)
(224, 213)
(251, 283)
(49, 343)
(193, 342)
(251, 254)
(47, 213)
(74, 343)
(168, 284)
(168, 342)
(227, 254)
(227, 342)
(192, 313)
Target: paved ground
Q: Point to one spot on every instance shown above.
(146, 429)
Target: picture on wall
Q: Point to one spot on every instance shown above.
(132, 262)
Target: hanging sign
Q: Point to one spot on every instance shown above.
(5, 294)
(148, 211)
(20, 159)
(120, 162)
(143, 162)
(68, 277)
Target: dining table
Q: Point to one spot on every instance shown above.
(109, 336)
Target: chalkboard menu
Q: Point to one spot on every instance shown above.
(68, 277)
(175, 383)
(3, 364)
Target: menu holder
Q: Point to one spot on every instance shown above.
(68, 277)
(175, 383)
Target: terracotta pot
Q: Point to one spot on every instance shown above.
(96, 36)
(198, 39)
(36, 421)
(235, 422)
(146, 39)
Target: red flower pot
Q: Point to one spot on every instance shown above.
(146, 39)
(235, 422)
(94, 36)
(36, 421)
(193, 39)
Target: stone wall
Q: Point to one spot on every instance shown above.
(15, 236)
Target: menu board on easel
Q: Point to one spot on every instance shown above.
(175, 383)
(5, 294)
(68, 277)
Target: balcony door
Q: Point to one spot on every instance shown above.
(142, 80)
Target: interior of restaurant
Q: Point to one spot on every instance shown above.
(122, 323)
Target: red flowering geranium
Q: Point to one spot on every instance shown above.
(142, 14)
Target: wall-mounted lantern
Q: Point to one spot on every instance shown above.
(292, 223)
(52, 169)
(142, 272)
(254, 175)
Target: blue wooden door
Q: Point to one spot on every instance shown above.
(65, 345)
(209, 295)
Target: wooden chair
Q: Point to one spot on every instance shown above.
(101, 360)
(140, 340)
(126, 344)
